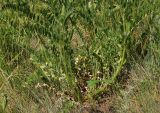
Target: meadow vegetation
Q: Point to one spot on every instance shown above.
(59, 56)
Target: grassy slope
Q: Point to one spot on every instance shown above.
(57, 52)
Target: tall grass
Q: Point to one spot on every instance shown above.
(78, 48)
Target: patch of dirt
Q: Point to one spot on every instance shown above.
(104, 105)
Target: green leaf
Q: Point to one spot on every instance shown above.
(92, 83)
(3, 102)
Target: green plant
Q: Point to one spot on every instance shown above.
(80, 48)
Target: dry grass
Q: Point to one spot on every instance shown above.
(141, 94)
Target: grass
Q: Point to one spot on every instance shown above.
(63, 53)
(141, 94)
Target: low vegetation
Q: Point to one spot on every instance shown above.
(62, 56)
